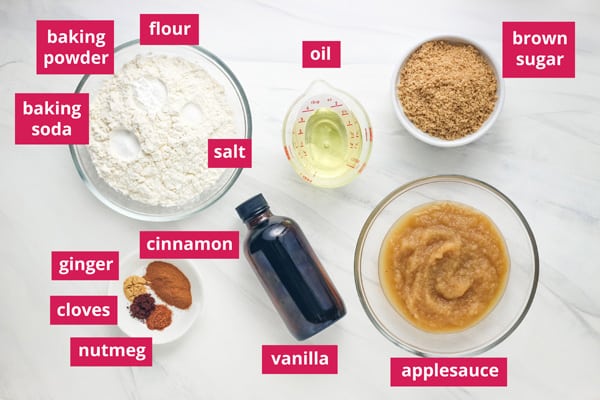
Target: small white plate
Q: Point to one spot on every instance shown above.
(182, 319)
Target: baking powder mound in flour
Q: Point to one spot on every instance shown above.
(149, 129)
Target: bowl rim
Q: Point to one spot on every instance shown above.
(359, 250)
(435, 141)
(247, 118)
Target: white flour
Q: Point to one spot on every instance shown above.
(149, 126)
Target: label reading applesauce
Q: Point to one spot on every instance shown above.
(299, 359)
(538, 49)
(51, 118)
(75, 47)
(463, 371)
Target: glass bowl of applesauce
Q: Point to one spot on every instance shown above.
(446, 266)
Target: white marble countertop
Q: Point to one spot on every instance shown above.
(543, 152)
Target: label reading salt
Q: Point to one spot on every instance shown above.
(52, 118)
(75, 47)
(321, 54)
(460, 371)
(538, 49)
(111, 352)
(169, 29)
(229, 153)
(299, 359)
(85, 265)
(190, 244)
(83, 310)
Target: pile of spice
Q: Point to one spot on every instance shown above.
(447, 90)
(168, 283)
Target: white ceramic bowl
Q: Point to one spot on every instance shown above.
(435, 141)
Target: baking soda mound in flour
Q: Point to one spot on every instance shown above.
(149, 129)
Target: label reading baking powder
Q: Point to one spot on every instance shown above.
(51, 118)
(111, 352)
(538, 49)
(229, 153)
(321, 54)
(83, 310)
(299, 359)
(463, 371)
(85, 265)
(75, 47)
(190, 244)
(169, 29)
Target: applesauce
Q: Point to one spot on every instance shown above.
(443, 266)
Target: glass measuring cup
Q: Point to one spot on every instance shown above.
(327, 136)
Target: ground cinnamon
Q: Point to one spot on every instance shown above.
(169, 284)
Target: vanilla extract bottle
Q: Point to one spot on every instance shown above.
(289, 270)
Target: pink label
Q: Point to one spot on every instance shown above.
(83, 310)
(538, 49)
(52, 118)
(169, 29)
(75, 47)
(85, 265)
(463, 371)
(229, 153)
(111, 352)
(189, 244)
(300, 359)
(321, 54)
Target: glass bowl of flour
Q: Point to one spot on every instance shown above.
(150, 122)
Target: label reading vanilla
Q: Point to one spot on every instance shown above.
(299, 359)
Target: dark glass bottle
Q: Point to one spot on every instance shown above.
(289, 270)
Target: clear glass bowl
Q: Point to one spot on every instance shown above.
(521, 284)
(435, 141)
(242, 124)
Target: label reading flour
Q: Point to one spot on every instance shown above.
(190, 244)
(538, 49)
(75, 47)
(169, 29)
(299, 359)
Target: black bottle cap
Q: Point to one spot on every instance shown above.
(252, 207)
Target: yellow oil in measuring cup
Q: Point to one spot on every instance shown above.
(324, 138)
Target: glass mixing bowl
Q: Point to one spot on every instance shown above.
(242, 123)
(521, 284)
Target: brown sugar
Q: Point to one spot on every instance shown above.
(169, 284)
(447, 90)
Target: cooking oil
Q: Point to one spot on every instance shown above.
(328, 143)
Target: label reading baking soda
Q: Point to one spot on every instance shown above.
(169, 29)
(538, 49)
(461, 371)
(190, 244)
(75, 47)
(229, 153)
(52, 118)
(299, 359)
